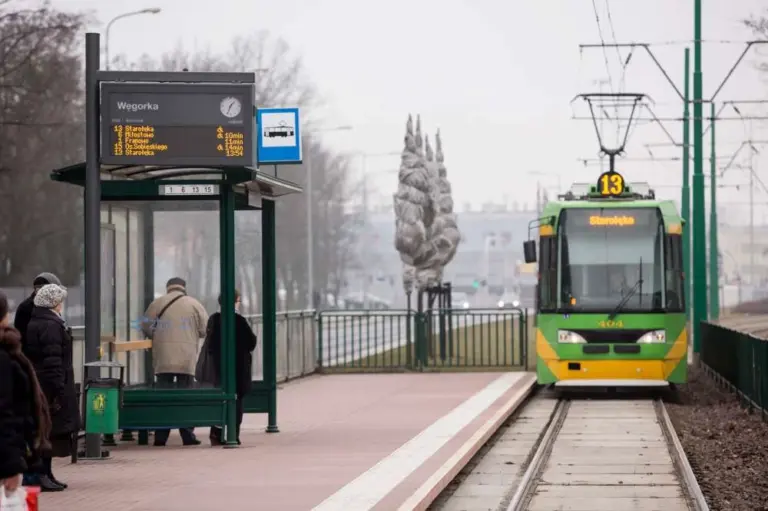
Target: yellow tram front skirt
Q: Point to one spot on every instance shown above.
(610, 372)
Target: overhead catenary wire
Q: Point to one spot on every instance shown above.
(602, 43)
(674, 119)
(684, 42)
(622, 62)
(605, 52)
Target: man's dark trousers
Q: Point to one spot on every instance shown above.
(181, 381)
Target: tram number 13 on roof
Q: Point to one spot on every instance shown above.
(610, 184)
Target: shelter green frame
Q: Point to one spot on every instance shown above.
(146, 408)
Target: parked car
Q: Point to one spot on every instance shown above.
(357, 301)
(459, 300)
(509, 300)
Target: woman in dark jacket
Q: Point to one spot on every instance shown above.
(24, 310)
(24, 421)
(245, 343)
(49, 348)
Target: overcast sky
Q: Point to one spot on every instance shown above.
(496, 76)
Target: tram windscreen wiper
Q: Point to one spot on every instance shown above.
(631, 292)
(626, 298)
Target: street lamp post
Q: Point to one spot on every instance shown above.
(310, 228)
(539, 187)
(364, 156)
(151, 10)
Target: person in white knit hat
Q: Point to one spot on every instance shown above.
(49, 348)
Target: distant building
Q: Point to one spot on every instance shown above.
(488, 256)
(738, 253)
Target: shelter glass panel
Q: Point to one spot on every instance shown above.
(248, 278)
(136, 298)
(108, 312)
(186, 246)
(119, 220)
(120, 223)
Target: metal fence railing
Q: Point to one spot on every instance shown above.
(383, 340)
(407, 340)
(296, 349)
(735, 352)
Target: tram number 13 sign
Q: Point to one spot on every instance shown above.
(610, 184)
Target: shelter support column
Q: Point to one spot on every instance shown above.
(92, 199)
(269, 310)
(148, 243)
(227, 260)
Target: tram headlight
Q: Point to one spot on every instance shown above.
(655, 337)
(566, 336)
(515, 303)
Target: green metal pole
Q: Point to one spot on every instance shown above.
(698, 213)
(714, 278)
(148, 240)
(686, 192)
(227, 261)
(269, 312)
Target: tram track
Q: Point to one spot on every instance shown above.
(534, 477)
(584, 455)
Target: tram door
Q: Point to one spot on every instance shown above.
(108, 303)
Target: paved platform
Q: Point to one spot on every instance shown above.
(347, 442)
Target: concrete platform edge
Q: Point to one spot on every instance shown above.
(431, 489)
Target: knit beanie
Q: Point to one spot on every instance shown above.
(50, 296)
(176, 282)
(46, 278)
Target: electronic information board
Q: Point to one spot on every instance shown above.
(189, 124)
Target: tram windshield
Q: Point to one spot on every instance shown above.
(609, 258)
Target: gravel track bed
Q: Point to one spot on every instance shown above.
(725, 444)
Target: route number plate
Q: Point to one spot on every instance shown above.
(183, 190)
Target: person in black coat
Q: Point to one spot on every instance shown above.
(24, 310)
(24, 421)
(49, 348)
(245, 343)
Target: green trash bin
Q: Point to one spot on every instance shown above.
(103, 400)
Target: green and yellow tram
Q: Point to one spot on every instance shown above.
(610, 301)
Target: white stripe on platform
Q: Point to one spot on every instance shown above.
(373, 485)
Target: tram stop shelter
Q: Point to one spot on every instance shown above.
(145, 191)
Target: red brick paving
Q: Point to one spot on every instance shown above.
(333, 428)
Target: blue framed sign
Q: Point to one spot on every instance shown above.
(279, 135)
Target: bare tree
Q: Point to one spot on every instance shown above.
(41, 116)
(280, 81)
(759, 26)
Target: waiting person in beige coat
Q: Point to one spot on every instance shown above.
(175, 322)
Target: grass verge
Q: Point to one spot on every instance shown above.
(468, 346)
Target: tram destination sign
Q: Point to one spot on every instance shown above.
(189, 124)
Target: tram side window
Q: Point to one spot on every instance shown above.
(675, 280)
(548, 273)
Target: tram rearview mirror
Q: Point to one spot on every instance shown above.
(529, 251)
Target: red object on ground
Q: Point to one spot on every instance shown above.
(33, 494)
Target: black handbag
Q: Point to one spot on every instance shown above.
(206, 370)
